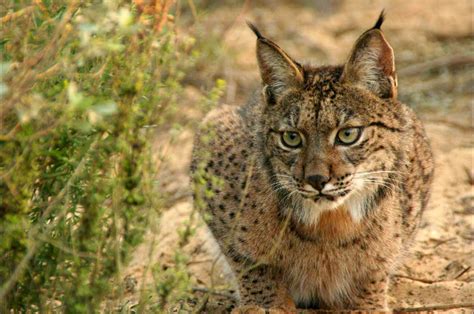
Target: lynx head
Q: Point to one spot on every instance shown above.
(331, 136)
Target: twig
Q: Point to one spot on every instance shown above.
(13, 15)
(214, 292)
(245, 7)
(467, 237)
(436, 307)
(428, 281)
(151, 251)
(34, 234)
(178, 196)
(11, 134)
(51, 70)
(450, 36)
(448, 61)
(193, 10)
(470, 175)
(63, 248)
(424, 309)
(455, 124)
(26, 77)
(202, 305)
(462, 272)
(163, 11)
(441, 242)
(199, 262)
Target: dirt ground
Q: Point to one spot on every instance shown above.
(433, 44)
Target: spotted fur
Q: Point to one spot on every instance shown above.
(289, 244)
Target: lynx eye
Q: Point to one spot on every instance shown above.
(291, 139)
(348, 136)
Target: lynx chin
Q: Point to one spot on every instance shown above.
(314, 189)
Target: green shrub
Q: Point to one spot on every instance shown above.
(84, 87)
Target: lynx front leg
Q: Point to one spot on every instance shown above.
(373, 293)
(260, 289)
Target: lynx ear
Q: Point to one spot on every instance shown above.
(277, 69)
(371, 64)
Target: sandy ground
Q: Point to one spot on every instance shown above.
(440, 267)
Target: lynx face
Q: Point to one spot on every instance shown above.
(329, 151)
(333, 137)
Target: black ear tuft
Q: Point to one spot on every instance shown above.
(380, 20)
(255, 30)
(371, 64)
(278, 70)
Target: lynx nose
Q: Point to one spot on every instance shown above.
(317, 181)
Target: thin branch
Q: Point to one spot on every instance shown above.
(192, 6)
(63, 248)
(48, 72)
(450, 36)
(437, 307)
(447, 61)
(465, 270)
(214, 292)
(24, 80)
(163, 13)
(11, 134)
(210, 260)
(454, 124)
(202, 305)
(424, 309)
(14, 15)
(469, 175)
(428, 281)
(34, 234)
(303, 311)
(441, 242)
(243, 10)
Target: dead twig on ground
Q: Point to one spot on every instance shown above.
(202, 304)
(437, 307)
(447, 61)
(431, 281)
(423, 280)
(462, 272)
(450, 36)
(439, 84)
(427, 308)
(215, 292)
(199, 262)
(441, 242)
(455, 124)
(470, 175)
(177, 197)
(301, 311)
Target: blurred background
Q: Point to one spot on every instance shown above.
(99, 104)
